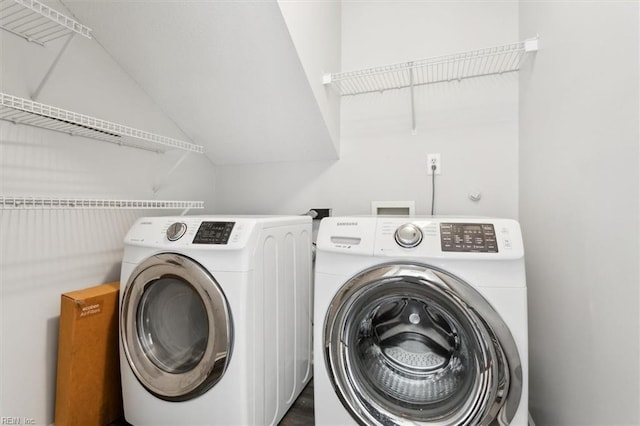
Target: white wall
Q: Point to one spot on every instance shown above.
(315, 31)
(473, 124)
(45, 253)
(227, 72)
(579, 210)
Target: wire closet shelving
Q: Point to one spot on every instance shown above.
(37, 22)
(24, 111)
(41, 24)
(453, 67)
(46, 203)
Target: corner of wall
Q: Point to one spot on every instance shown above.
(315, 29)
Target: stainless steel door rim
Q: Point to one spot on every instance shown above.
(410, 343)
(176, 327)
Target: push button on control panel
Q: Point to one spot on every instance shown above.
(506, 239)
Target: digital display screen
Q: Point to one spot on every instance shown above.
(468, 237)
(213, 233)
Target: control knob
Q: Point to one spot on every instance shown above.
(408, 235)
(176, 230)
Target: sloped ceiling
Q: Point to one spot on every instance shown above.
(226, 72)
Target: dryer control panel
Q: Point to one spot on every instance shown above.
(219, 233)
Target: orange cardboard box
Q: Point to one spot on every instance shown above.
(88, 391)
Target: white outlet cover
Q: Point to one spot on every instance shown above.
(434, 159)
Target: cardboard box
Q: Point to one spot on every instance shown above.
(88, 388)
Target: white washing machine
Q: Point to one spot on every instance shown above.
(215, 319)
(420, 321)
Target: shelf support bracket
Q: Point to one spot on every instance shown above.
(51, 68)
(160, 182)
(413, 103)
(531, 44)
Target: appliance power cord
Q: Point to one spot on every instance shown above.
(433, 188)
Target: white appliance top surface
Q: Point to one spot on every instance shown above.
(206, 232)
(439, 237)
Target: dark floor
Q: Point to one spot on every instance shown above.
(301, 413)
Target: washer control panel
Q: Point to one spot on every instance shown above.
(433, 240)
(468, 237)
(408, 235)
(213, 233)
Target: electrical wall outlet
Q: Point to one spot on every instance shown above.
(434, 160)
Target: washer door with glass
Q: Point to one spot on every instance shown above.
(411, 344)
(176, 327)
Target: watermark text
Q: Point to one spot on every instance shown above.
(7, 420)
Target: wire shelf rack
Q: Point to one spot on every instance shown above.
(24, 111)
(48, 203)
(36, 22)
(458, 66)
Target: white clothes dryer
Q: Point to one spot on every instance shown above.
(420, 321)
(215, 319)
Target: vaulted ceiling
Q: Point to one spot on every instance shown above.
(226, 72)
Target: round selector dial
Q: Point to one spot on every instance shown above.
(176, 230)
(408, 235)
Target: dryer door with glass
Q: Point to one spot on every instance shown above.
(176, 327)
(408, 343)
